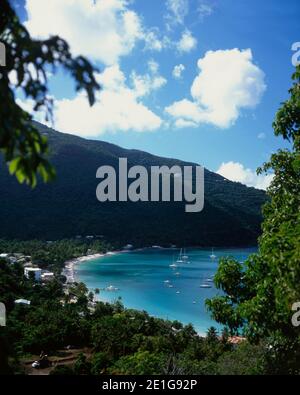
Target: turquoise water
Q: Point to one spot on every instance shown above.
(140, 278)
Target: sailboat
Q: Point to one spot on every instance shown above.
(205, 285)
(180, 260)
(173, 265)
(212, 256)
(185, 256)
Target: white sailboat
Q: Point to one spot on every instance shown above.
(180, 260)
(185, 256)
(173, 265)
(205, 286)
(111, 288)
(212, 256)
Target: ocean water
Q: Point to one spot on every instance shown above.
(141, 276)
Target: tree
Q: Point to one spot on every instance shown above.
(99, 363)
(24, 148)
(140, 363)
(82, 366)
(259, 295)
(62, 370)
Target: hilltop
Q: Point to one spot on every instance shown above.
(68, 206)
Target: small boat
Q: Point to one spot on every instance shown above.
(166, 281)
(212, 256)
(177, 274)
(205, 286)
(171, 286)
(209, 280)
(178, 292)
(173, 264)
(180, 260)
(111, 288)
(194, 302)
(185, 257)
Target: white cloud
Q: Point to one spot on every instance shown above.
(153, 66)
(228, 82)
(204, 9)
(103, 30)
(178, 70)
(153, 42)
(118, 107)
(235, 171)
(177, 11)
(145, 84)
(182, 123)
(261, 136)
(187, 42)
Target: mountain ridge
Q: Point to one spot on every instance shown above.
(68, 206)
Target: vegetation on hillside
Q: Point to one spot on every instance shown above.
(119, 340)
(260, 293)
(68, 206)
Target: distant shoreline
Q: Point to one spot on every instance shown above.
(73, 276)
(69, 266)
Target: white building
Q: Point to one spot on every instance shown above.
(35, 270)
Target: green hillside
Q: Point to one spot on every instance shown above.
(68, 206)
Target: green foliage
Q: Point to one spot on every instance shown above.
(246, 359)
(53, 255)
(112, 339)
(100, 362)
(62, 370)
(72, 208)
(24, 148)
(259, 295)
(82, 366)
(141, 363)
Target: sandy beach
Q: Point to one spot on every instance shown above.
(69, 268)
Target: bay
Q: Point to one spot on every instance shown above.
(145, 281)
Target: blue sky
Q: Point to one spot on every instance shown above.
(163, 92)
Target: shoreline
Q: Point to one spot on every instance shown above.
(69, 266)
(70, 272)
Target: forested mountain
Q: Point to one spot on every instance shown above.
(68, 206)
